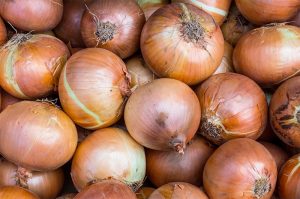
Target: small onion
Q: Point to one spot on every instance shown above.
(109, 153)
(169, 166)
(33, 15)
(285, 112)
(144, 192)
(7, 99)
(113, 25)
(30, 65)
(3, 32)
(266, 11)
(93, 88)
(46, 185)
(44, 135)
(15, 192)
(67, 196)
(267, 56)
(230, 111)
(150, 6)
(240, 168)
(226, 64)
(178, 190)
(163, 115)
(183, 42)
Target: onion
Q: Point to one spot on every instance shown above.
(289, 179)
(217, 9)
(178, 190)
(7, 99)
(266, 11)
(268, 135)
(113, 25)
(240, 168)
(14, 192)
(267, 56)
(3, 33)
(37, 15)
(44, 135)
(230, 111)
(46, 185)
(75, 50)
(109, 153)
(169, 166)
(226, 64)
(182, 42)
(93, 88)
(67, 196)
(163, 115)
(144, 192)
(150, 6)
(30, 65)
(285, 112)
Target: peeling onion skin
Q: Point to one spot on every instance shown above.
(33, 15)
(267, 54)
(168, 35)
(3, 32)
(109, 153)
(285, 112)
(14, 192)
(144, 192)
(240, 168)
(123, 19)
(273, 11)
(7, 99)
(51, 130)
(230, 111)
(178, 190)
(163, 115)
(226, 64)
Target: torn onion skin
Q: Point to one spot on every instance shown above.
(14, 192)
(285, 112)
(144, 192)
(240, 168)
(230, 111)
(3, 32)
(226, 64)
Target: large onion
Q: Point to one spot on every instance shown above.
(169, 166)
(113, 25)
(93, 88)
(30, 65)
(163, 115)
(109, 153)
(226, 64)
(285, 112)
(14, 192)
(230, 110)
(144, 192)
(7, 99)
(240, 168)
(150, 6)
(183, 42)
(33, 15)
(44, 135)
(3, 33)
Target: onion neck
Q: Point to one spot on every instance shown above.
(22, 177)
(178, 144)
(17, 39)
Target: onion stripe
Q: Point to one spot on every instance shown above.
(210, 8)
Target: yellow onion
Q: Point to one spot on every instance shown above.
(226, 64)
(15, 192)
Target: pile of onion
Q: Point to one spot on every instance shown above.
(14, 192)
(150, 6)
(93, 87)
(182, 42)
(267, 54)
(7, 99)
(230, 110)
(163, 115)
(3, 32)
(240, 168)
(226, 64)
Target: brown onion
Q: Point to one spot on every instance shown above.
(163, 115)
(144, 192)
(113, 25)
(44, 135)
(240, 168)
(30, 65)
(75, 50)
(266, 11)
(93, 87)
(169, 166)
(15, 192)
(285, 112)
(109, 153)
(150, 6)
(183, 42)
(67, 196)
(3, 33)
(267, 56)
(178, 190)
(33, 15)
(226, 64)
(46, 185)
(7, 99)
(230, 110)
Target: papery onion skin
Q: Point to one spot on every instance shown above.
(30, 65)
(267, 56)
(109, 153)
(176, 190)
(264, 11)
(67, 196)
(46, 185)
(7, 99)
(285, 112)
(172, 49)
(52, 134)
(150, 6)
(93, 87)
(168, 166)
(230, 111)
(163, 115)
(113, 25)
(144, 192)
(240, 168)
(13, 192)
(33, 15)
(3, 32)
(226, 64)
